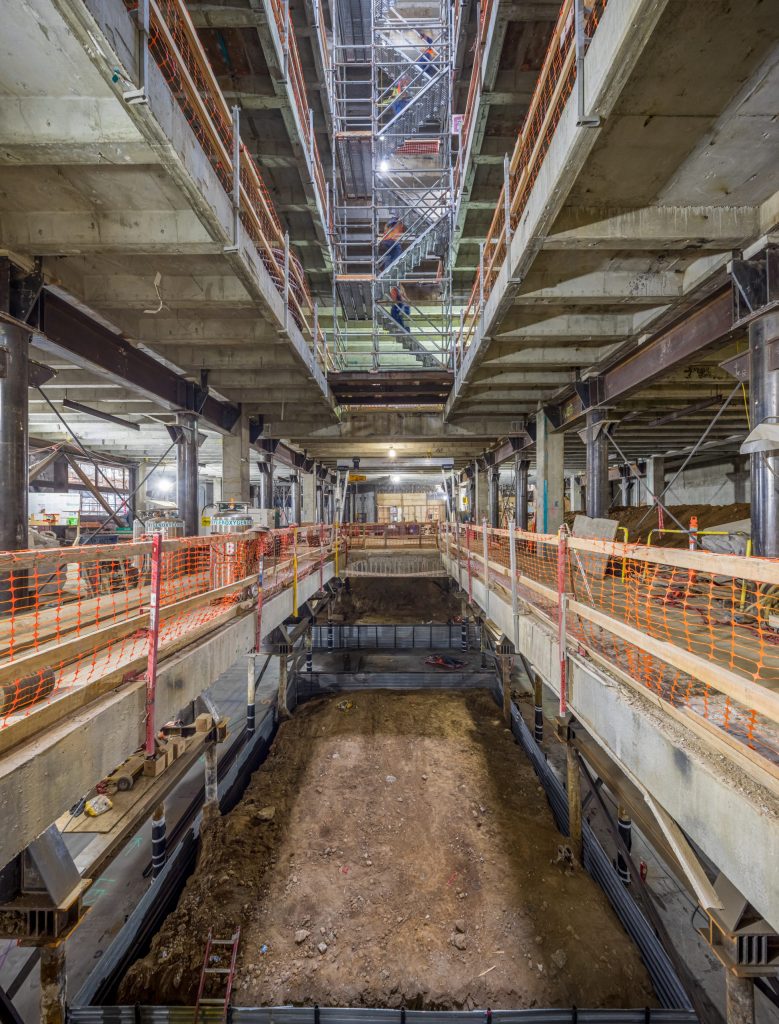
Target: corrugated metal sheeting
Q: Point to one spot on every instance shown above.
(326, 1015)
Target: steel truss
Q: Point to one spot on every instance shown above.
(393, 184)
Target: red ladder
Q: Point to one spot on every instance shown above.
(223, 1001)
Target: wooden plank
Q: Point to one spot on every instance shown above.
(701, 886)
(750, 695)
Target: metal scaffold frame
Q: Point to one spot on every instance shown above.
(392, 186)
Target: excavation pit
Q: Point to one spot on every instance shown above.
(395, 849)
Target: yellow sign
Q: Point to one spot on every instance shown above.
(205, 520)
(355, 478)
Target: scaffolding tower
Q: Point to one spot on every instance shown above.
(392, 184)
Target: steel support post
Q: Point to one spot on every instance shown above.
(281, 701)
(251, 694)
(212, 782)
(574, 792)
(625, 829)
(266, 484)
(521, 495)
(739, 999)
(494, 496)
(53, 980)
(309, 650)
(186, 473)
(13, 456)
(513, 570)
(764, 408)
(596, 440)
(486, 567)
(538, 708)
(159, 840)
(297, 503)
(624, 485)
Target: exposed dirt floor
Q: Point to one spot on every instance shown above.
(709, 518)
(397, 599)
(395, 849)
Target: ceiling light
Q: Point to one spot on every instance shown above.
(395, 479)
(383, 166)
(165, 484)
(392, 453)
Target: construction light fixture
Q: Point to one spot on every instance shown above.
(395, 478)
(392, 453)
(165, 484)
(383, 167)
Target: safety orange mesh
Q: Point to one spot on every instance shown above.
(176, 49)
(553, 89)
(722, 612)
(384, 535)
(78, 618)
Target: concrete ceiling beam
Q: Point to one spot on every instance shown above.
(51, 130)
(576, 326)
(653, 227)
(127, 291)
(610, 287)
(217, 16)
(123, 232)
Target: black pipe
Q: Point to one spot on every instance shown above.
(521, 468)
(186, 473)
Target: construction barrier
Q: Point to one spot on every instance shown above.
(76, 618)
(697, 629)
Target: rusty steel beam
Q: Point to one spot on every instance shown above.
(69, 332)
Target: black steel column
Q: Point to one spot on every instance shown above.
(521, 469)
(493, 483)
(13, 438)
(597, 444)
(764, 408)
(266, 484)
(186, 473)
(14, 421)
(297, 487)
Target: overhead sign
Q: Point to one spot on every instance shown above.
(356, 478)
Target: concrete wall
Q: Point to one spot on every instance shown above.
(721, 484)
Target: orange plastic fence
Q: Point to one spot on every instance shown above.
(698, 630)
(555, 85)
(70, 617)
(176, 49)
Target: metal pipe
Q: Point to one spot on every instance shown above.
(186, 472)
(764, 407)
(597, 451)
(297, 486)
(521, 470)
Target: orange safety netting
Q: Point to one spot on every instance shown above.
(177, 51)
(555, 85)
(700, 631)
(75, 619)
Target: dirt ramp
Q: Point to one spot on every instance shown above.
(395, 849)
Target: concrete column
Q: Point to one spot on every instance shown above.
(331, 506)
(550, 476)
(235, 462)
(654, 480)
(53, 980)
(739, 999)
(482, 494)
(764, 408)
(212, 781)
(159, 840)
(13, 438)
(319, 502)
(493, 496)
(307, 484)
(521, 467)
(576, 494)
(186, 473)
(574, 791)
(596, 442)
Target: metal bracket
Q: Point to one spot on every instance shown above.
(582, 42)
(755, 283)
(134, 97)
